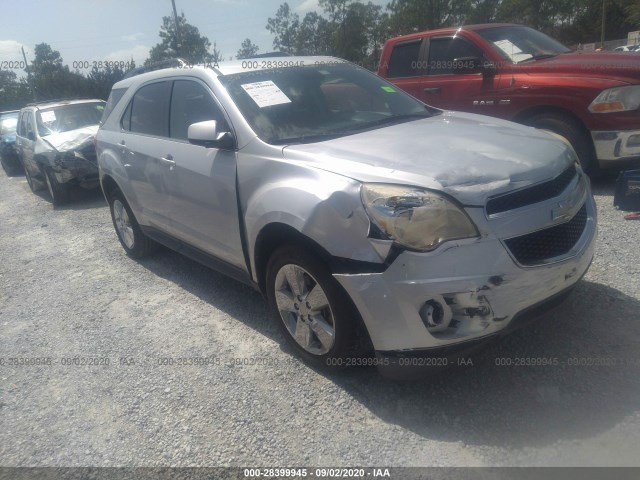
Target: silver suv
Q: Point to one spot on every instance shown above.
(54, 141)
(365, 217)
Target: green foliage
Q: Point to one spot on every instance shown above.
(187, 44)
(247, 49)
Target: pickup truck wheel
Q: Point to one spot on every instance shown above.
(132, 239)
(59, 192)
(310, 308)
(574, 133)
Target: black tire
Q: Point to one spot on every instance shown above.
(58, 192)
(33, 183)
(575, 134)
(138, 245)
(345, 318)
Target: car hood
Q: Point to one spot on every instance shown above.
(71, 140)
(470, 157)
(619, 65)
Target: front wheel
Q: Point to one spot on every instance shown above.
(131, 237)
(574, 133)
(59, 192)
(312, 311)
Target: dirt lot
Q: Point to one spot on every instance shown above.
(69, 295)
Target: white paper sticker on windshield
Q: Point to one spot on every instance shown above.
(48, 117)
(265, 94)
(515, 54)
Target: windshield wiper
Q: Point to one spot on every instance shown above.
(540, 56)
(315, 137)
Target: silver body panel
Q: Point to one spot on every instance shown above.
(220, 201)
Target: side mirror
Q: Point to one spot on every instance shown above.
(465, 65)
(206, 134)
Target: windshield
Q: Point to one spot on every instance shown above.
(8, 124)
(521, 44)
(314, 103)
(68, 117)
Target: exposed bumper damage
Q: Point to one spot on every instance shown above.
(71, 155)
(436, 303)
(616, 145)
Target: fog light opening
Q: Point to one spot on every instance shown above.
(434, 316)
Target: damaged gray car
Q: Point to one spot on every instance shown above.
(381, 231)
(55, 144)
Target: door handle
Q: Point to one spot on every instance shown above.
(432, 90)
(168, 160)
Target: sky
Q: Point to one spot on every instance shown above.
(118, 30)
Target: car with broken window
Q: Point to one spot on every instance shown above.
(8, 154)
(55, 144)
(514, 72)
(381, 231)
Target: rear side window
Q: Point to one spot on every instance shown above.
(114, 97)
(150, 110)
(29, 129)
(405, 60)
(192, 103)
(22, 125)
(444, 51)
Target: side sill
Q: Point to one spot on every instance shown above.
(199, 256)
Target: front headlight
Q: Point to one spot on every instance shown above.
(618, 99)
(414, 217)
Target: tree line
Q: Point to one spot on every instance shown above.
(349, 29)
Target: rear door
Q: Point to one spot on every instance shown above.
(143, 145)
(445, 84)
(407, 66)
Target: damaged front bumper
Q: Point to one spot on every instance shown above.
(451, 300)
(75, 166)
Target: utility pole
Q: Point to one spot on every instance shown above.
(28, 70)
(175, 19)
(604, 17)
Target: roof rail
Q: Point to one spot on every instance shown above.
(169, 63)
(271, 54)
(57, 100)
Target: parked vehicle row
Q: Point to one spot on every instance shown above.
(54, 141)
(8, 153)
(519, 74)
(376, 226)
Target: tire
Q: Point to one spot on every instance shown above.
(132, 239)
(325, 326)
(33, 184)
(58, 192)
(574, 133)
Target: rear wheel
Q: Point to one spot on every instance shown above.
(310, 308)
(571, 130)
(59, 192)
(131, 237)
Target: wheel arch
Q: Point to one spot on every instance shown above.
(275, 235)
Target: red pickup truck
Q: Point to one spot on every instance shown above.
(517, 73)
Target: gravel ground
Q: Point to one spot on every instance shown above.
(67, 290)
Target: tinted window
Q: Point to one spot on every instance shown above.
(316, 102)
(192, 103)
(29, 129)
(443, 52)
(150, 110)
(114, 97)
(22, 126)
(405, 60)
